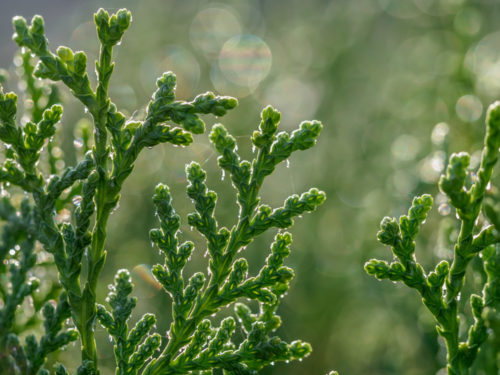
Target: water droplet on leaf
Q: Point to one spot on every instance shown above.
(444, 209)
(78, 143)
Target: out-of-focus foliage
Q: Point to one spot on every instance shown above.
(380, 75)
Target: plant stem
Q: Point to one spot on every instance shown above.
(96, 254)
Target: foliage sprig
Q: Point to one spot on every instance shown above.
(441, 288)
(193, 344)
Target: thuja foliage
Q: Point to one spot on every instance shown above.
(478, 239)
(62, 221)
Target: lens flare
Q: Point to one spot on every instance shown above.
(211, 27)
(245, 60)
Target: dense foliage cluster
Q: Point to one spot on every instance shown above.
(61, 225)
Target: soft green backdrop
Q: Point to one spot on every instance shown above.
(379, 75)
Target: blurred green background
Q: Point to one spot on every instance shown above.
(379, 74)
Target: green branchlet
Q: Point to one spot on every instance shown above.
(163, 107)
(440, 289)
(40, 98)
(53, 338)
(130, 356)
(202, 346)
(66, 66)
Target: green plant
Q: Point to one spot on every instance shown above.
(90, 191)
(478, 239)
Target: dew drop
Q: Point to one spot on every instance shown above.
(444, 209)
(18, 61)
(77, 199)
(287, 163)
(78, 143)
(117, 206)
(223, 175)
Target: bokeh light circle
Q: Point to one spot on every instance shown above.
(468, 21)
(469, 108)
(296, 99)
(405, 147)
(176, 59)
(211, 27)
(439, 133)
(245, 60)
(483, 59)
(223, 86)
